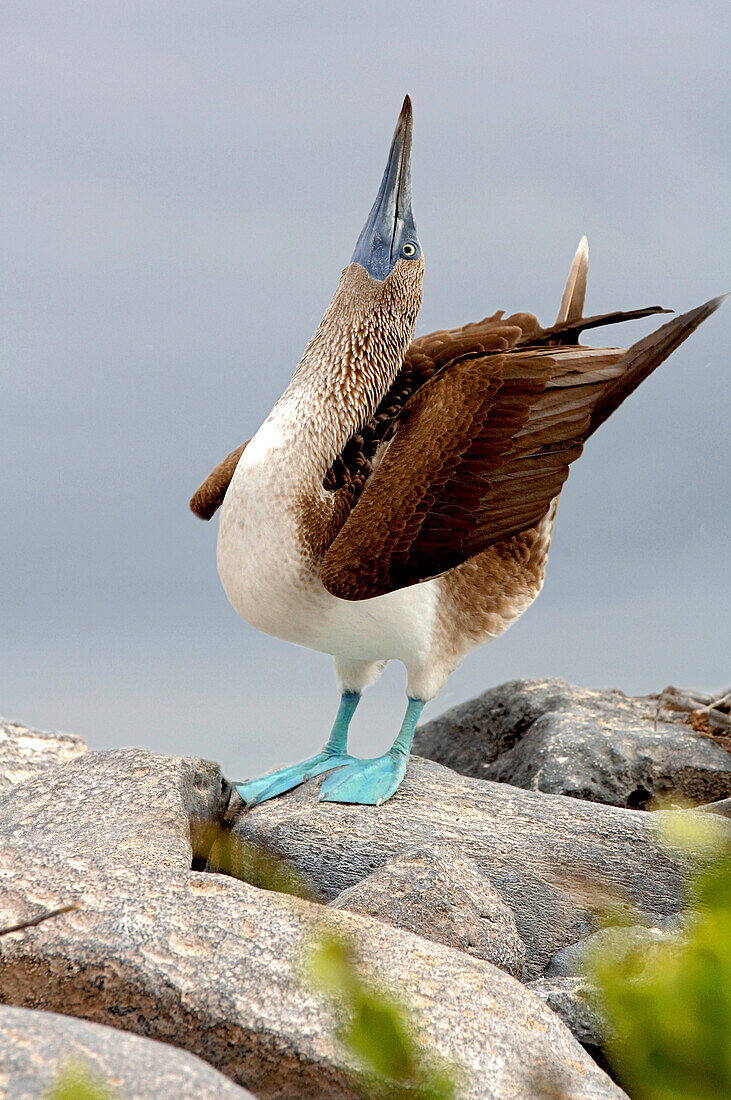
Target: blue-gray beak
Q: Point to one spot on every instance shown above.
(390, 233)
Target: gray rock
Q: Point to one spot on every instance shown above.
(553, 860)
(576, 1001)
(211, 964)
(443, 896)
(36, 1046)
(723, 807)
(575, 959)
(24, 752)
(143, 807)
(604, 746)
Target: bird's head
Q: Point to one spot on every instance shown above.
(389, 235)
(388, 247)
(361, 341)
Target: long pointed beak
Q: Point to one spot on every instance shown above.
(390, 226)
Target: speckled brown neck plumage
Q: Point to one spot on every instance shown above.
(351, 360)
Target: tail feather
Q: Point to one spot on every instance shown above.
(642, 358)
(572, 302)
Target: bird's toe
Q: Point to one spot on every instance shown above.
(365, 782)
(254, 791)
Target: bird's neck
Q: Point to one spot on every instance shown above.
(349, 364)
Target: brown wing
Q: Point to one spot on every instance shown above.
(478, 454)
(426, 357)
(207, 499)
(431, 354)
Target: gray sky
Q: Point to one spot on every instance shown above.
(182, 184)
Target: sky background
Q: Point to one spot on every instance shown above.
(181, 184)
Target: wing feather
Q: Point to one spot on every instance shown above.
(208, 498)
(479, 452)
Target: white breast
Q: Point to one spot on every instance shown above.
(270, 582)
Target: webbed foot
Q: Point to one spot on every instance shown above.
(367, 782)
(254, 791)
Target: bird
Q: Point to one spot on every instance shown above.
(398, 501)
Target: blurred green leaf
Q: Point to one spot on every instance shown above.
(672, 1008)
(389, 1062)
(75, 1082)
(377, 1037)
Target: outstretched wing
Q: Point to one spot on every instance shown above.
(479, 452)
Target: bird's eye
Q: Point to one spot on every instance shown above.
(408, 249)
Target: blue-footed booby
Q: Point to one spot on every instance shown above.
(398, 501)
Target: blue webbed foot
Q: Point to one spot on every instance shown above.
(333, 755)
(254, 791)
(367, 782)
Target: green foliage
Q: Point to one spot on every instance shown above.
(74, 1082)
(375, 1030)
(671, 1008)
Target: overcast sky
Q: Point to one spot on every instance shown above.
(182, 184)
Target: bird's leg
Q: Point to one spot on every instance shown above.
(333, 755)
(371, 782)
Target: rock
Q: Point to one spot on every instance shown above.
(143, 807)
(214, 965)
(568, 989)
(24, 752)
(545, 735)
(35, 1046)
(575, 1001)
(443, 896)
(575, 959)
(553, 860)
(723, 807)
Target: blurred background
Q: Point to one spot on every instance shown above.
(182, 184)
